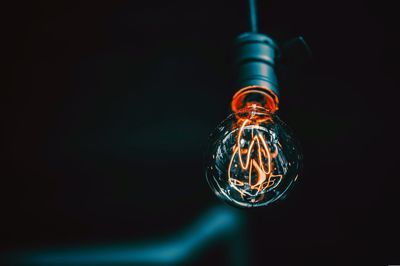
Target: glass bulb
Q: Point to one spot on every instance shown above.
(252, 159)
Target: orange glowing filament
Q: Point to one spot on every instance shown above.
(257, 164)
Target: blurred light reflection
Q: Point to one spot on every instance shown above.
(221, 223)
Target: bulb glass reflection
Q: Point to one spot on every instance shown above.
(252, 159)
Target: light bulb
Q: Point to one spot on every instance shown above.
(253, 158)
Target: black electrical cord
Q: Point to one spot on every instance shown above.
(253, 15)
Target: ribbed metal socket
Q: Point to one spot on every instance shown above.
(255, 61)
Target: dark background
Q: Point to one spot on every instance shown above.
(110, 104)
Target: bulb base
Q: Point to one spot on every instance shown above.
(255, 63)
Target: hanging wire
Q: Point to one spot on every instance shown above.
(253, 15)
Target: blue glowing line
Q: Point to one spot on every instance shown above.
(218, 223)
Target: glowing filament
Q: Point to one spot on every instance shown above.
(258, 165)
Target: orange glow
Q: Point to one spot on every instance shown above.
(259, 164)
(245, 98)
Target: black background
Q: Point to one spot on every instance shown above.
(111, 103)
